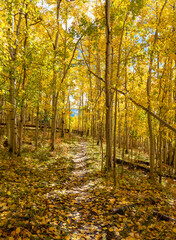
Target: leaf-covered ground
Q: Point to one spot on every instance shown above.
(64, 195)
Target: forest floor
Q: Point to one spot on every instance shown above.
(64, 195)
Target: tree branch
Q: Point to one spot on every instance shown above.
(32, 24)
(100, 78)
(151, 113)
(71, 60)
(49, 35)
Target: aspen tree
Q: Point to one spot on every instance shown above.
(108, 87)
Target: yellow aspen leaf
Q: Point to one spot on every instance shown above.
(131, 234)
(2, 204)
(112, 200)
(8, 193)
(11, 238)
(51, 229)
(43, 221)
(67, 238)
(1, 224)
(13, 233)
(173, 56)
(69, 221)
(125, 202)
(58, 237)
(131, 238)
(18, 230)
(174, 230)
(111, 229)
(98, 237)
(117, 231)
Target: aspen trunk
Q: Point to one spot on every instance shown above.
(151, 138)
(8, 129)
(82, 106)
(54, 118)
(13, 140)
(55, 93)
(63, 118)
(37, 127)
(12, 91)
(69, 119)
(119, 126)
(174, 7)
(107, 88)
(160, 157)
(21, 124)
(126, 109)
(149, 94)
(115, 137)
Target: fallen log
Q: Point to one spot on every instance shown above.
(132, 165)
(143, 168)
(121, 210)
(160, 216)
(142, 162)
(163, 217)
(167, 176)
(66, 130)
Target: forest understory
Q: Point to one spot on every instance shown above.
(64, 195)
